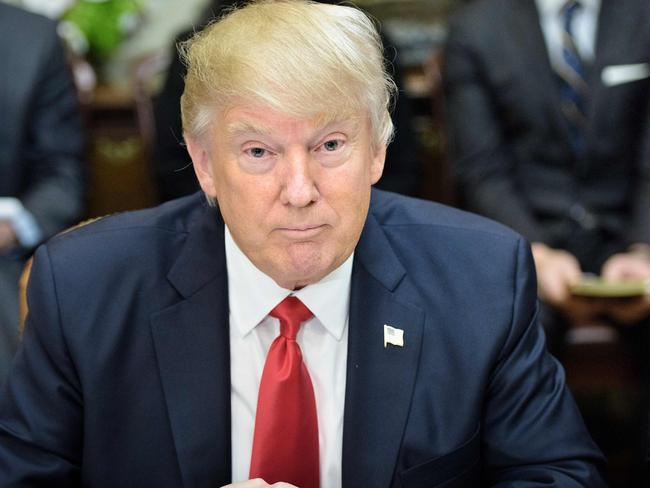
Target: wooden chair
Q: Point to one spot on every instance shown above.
(22, 297)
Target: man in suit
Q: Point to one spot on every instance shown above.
(549, 116)
(565, 163)
(41, 144)
(298, 327)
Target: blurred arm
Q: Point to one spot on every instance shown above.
(55, 144)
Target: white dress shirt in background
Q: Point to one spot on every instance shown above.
(584, 27)
(323, 341)
(28, 233)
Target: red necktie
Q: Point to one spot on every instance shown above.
(285, 443)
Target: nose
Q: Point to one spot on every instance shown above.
(299, 186)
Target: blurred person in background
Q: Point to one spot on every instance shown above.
(171, 165)
(41, 147)
(172, 168)
(548, 106)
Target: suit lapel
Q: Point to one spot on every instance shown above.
(379, 380)
(191, 341)
(530, 46)
(614, 24)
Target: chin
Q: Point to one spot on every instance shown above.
(305, 266)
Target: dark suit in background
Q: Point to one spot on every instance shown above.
(512, 150)
(512, 145)
(133, 387)
(41, 144)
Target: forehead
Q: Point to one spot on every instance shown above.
(250, 119)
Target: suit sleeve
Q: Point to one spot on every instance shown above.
(481, 159)
(41, 402)
(533, 432)
(54, 145)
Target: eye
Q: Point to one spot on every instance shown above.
(256, 152)
(332, 145)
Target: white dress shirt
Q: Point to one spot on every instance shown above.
(28, 233)
(584, 27)
(323, 341)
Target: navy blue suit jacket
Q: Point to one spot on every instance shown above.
(123, 375)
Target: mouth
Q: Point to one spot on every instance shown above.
(302, 232)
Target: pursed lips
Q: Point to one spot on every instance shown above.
(302, 232)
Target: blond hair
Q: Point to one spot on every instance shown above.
(300, 57)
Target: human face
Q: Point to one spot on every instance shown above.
(293, 192)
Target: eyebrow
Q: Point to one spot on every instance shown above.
(243, 127)
(331, 122)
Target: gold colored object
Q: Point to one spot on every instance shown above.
(593, 286)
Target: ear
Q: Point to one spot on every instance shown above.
(202, 167)
(377, 164)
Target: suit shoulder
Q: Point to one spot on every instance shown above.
(479, 12)
(17, 21)
(478, 20)
(119, 230)
(392, 210)
(35, 42)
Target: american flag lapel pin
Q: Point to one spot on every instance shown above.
(393, 336)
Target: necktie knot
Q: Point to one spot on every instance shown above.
(291, 313)
(567, 11)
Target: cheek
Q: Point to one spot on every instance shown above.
(352, 175)
(347, 187)
(245, 204)
(248, 211)
(349, 199)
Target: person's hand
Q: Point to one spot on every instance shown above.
(258, 483)
(7, 236)
(627, 266)
(557, 270)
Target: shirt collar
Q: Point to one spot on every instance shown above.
(553, 7)
(252, 294)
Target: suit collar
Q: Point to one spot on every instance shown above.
(375, 253)
(380, 379)
(615, 23)
(202, 258)
(525, 21)
(530, 49)
(192, 347)
(612, 15)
